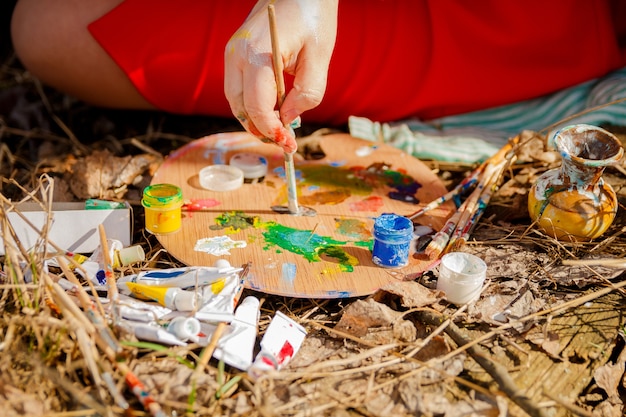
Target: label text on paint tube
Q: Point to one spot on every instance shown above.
(182, 277)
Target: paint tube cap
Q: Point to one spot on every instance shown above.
(182, 300)
(221, 177)
(253, 166)
(131, 255)
(248, 311)
(184, 328)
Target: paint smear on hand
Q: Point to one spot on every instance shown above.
(218, 246)
(372, 203)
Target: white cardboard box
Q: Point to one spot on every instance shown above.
(73, 228)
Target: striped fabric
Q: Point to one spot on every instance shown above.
(472, 137)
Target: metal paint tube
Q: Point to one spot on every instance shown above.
(156, 334)
(162, 206)
(236, 347)
(279, 345)
(174, 298)
(186, 277)
(184, 328)
(392, 240)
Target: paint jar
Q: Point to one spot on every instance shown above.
(253, 166)
(162, 204)
(573, 202)
(392, 240)
(461, 277)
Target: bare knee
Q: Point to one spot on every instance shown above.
(53, 43)
(27, 33)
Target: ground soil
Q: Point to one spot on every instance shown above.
(403, 351)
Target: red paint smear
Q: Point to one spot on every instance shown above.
(200, 204)
(280, 138)
(253, 129)
(285, 353)
(373, 203)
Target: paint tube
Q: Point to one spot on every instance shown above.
(174, 298)
(136, 310)
(92, 271)
(185, 328)
(186, 277)
(236, 346)
(279, 345)
(217, 298)
(157, 334)
(72, 289)
(219, 301)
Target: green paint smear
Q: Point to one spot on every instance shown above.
(234, 221)
(359, 180)
(365, 244)
(301, 242)
(335, 177)
(346, 261)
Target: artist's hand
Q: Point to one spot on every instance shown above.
(306, 32)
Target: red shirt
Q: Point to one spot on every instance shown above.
(392, 60)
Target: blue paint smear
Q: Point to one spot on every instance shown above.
(339, 294)
(280, 172)
(289, 272)
(163, 274)
(337, 163)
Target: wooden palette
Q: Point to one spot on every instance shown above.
(323, 256)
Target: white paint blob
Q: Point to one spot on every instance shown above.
(219, 245)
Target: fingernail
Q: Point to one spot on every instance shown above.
(296, 123)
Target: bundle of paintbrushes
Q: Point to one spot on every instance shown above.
(484, 181)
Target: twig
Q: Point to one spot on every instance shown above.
(111, 347)
(494, 369)
(570, 407)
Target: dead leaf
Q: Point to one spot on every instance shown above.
(412, 294)
(548, 341)
(364, 315)
(103, 175)
(609, 376)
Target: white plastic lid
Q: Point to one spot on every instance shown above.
(253, 165)
(221, 177)
(184, 328)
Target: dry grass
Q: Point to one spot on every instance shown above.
(393, 358)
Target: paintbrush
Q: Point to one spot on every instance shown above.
(110, 346)
(277, 61)
(463, 186)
